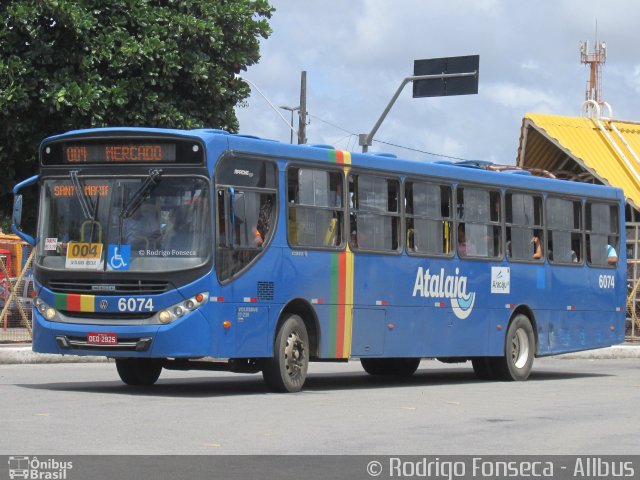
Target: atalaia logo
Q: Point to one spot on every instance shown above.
(441, 285)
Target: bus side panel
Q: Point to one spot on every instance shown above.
(583, 330)
(417, 296)
(250, 301)
(586, 314)
(439, 331)
(314, 276)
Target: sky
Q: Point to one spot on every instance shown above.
(357, 52)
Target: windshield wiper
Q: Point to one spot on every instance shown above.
(89, 209)
(86, 204)
(151, 182)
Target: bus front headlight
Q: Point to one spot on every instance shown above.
(45, 310)
(172, 313)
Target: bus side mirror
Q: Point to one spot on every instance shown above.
(17, 210)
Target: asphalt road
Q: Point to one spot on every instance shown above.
(566, 407)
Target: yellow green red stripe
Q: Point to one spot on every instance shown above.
(74, 303)
(341, 304)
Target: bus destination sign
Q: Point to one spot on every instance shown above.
(119, 153)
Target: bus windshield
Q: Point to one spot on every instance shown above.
(153, 223)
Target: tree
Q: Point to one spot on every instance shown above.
(77, 64)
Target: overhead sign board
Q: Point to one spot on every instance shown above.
(441, 87)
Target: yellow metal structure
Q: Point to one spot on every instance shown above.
(607, 151)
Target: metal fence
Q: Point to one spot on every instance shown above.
(16, 292)
(632, 332)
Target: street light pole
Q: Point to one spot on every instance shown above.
(291, 109)
(365, 140)
(238, 77)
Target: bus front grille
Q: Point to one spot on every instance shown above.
(124, 316)
(119, 287)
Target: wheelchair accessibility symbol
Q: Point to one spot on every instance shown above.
(119, 257)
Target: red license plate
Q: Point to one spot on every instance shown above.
(102, 338)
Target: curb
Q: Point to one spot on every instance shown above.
(24, 355)
(609, 353)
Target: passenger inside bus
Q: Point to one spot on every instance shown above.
(537, 247)
(612, 255)
(178, 234)
(142, 229)
(264, 220)
(464, 247)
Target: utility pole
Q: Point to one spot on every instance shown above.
(302, 125)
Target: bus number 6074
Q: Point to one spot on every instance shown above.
(135, 304)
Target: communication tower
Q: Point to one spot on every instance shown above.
(595, 60)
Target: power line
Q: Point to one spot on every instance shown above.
(332, 124)
(423, 151)
(439, 155)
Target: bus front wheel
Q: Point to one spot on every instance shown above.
(482, 368)
(139, 371)
(520, 348)
(287, 370)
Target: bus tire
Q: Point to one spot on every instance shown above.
(520, 347)
(139, 371)
(287, 370)
(399, 367)
(375, 366)
(482, 368)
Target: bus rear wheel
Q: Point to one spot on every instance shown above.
(519, 351)
(287, 370)
(139, 371)
(399, 367)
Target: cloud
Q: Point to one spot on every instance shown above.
(356, 53)
(520, 97)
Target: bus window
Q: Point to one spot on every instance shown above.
(564, 227)
(603, 239)
(374, 214)
(523, 215)
(428, 212)
(315, 208)
(246, 212)
(479, 227)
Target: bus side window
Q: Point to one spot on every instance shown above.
(602, 234)
(246, 203)
(428, 223)
(523, 216)
(374, 213)
(564, 226)
(315, 207)
(479, 217)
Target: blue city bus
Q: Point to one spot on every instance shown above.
(207, 250)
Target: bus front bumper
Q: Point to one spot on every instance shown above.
(188, 337)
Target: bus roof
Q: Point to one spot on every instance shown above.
(466, 172)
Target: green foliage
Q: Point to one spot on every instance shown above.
(88, 63)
